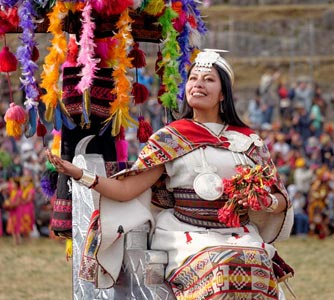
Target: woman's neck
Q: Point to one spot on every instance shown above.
(208, 119)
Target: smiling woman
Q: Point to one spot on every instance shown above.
(211, 140)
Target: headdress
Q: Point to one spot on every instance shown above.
(208, 57)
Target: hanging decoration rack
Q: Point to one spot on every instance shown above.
(176, 25)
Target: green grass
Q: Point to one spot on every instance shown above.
(313, 262)
(38, 270)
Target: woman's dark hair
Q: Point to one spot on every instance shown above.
(229, 115)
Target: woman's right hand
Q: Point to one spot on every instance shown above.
(63, 166)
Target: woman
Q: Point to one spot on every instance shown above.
(181, 163)
(13, 206)
(27, 206)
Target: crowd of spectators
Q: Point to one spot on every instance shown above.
(296, 124)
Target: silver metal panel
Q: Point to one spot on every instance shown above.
(85, 201)
(142, 274)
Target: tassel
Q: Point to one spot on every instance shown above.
(159, 70)
(8, 61)
(121, 146)
(55, 147)
(15, 118)
(162, 90)
(138, 56)
(144, 130)
(140, 93)
(69, 249)
(35, 54)
(41, 131)
(285, 269)
(188, 237)
(48, 182)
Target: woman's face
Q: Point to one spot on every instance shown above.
(203, 91)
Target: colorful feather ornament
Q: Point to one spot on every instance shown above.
(111, 7)
(86, 53)
(87, 61)
(170, 53)
(105, 51)
(29, 67)
(198, 28)
(56, 56)
(119, 109)
(15, 116)
(15, 119)
(154, 8)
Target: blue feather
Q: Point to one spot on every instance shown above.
(32, 125)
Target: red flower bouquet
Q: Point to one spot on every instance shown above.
(252, 183)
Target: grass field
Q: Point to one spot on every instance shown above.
(38, 270)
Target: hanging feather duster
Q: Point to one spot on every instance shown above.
(15, 119)
(54, 59)
(170, 53)
(138, 57)
(119, 109)
(86, 54)
(140, 93)
(25, 53)
(144, 130)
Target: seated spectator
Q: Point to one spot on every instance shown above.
(301, 222)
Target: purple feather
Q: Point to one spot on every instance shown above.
(24, 52)
(8, 3)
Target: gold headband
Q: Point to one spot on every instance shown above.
(208, 57)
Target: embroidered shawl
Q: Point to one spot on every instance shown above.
(183, 136)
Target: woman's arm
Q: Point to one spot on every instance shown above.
(123, 189)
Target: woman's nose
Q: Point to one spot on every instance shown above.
(198, 82)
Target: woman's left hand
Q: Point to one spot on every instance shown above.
(63, 166)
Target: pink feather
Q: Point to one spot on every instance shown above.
(86, 53)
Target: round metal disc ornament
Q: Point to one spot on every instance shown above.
(207, 184)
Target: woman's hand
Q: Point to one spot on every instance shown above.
(63, 166)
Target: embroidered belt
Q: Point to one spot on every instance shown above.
(192, 209)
